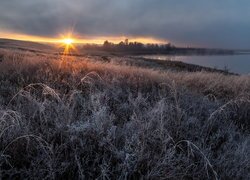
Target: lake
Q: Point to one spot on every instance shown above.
(234, 63)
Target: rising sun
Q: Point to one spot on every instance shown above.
(68, 41)
(68, 45)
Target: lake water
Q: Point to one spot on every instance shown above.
(234, 63)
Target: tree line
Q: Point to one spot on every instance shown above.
(150, 48)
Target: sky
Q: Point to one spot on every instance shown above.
(199, 23)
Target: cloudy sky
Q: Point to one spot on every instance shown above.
(207, 23)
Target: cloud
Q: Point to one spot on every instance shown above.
(211, 23)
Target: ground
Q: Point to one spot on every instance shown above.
(119, 117)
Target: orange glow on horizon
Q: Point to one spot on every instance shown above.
(81, 40)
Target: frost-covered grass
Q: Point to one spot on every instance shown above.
(80, 118)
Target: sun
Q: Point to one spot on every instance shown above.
(68, 41)
(68, 44)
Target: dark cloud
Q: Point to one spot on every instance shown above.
(213, 23)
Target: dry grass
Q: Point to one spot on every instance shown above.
(80, 118)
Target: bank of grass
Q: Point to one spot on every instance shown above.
(80, 118)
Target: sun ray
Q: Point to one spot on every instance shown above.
(67, 42)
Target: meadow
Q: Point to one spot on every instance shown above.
(115, 117)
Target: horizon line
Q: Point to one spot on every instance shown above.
(82, 40)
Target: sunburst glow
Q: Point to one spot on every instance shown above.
(68, 41)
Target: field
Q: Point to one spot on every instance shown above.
(118, 117)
